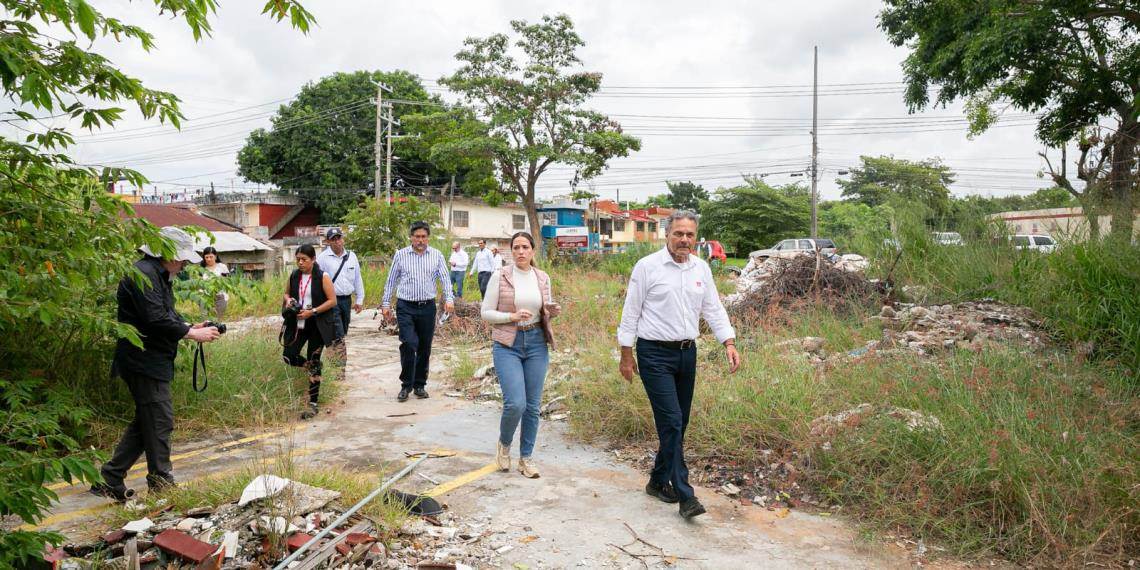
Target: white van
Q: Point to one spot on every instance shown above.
(1034, 242)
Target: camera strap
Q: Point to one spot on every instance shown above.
(200, 356)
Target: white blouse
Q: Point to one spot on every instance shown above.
(527, 296)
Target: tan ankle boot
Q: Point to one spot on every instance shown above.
(527, 468)
(502, 456)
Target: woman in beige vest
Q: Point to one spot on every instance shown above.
(519, 307)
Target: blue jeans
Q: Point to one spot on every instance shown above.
(669, 376)
(522, 371)
(457, 282)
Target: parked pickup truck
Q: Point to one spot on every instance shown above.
(791, 247)
(1034, 242)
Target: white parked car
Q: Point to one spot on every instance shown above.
(947, 238)
(792, 247)
(1034, 242)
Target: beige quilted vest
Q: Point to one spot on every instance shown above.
(505, 333)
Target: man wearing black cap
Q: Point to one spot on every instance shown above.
(344, 268)
(149, 370)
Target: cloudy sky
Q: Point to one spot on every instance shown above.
(714, 89)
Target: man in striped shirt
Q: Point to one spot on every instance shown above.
(414, 272)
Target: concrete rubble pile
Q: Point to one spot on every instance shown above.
(930, 330)
(276, 517)
(782, 281)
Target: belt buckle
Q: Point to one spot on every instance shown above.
(686, 343)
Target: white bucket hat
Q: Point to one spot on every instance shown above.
(183, 245)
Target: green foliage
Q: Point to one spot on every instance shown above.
(686, 195)
(381, 229)
(854, 225)
(755, 215)
(883, 179)
(533, 110)
(67, 241)
(325, 138)
(1076, 63)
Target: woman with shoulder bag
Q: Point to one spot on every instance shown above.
(519, 306)
(308, 305)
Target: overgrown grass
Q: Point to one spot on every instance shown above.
(249, 387)
(1036, 461)
(263, 297)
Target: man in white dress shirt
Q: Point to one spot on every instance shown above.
(668, 293)
(344, 268)
(483, 266)
(458, 261)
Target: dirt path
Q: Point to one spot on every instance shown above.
(572, 516)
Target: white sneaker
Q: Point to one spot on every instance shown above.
(527, 468)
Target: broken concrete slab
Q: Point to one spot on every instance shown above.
(141, 525)
(261, 487)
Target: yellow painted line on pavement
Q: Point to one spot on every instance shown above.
(142, 465)
(461, 480)
(78, 513)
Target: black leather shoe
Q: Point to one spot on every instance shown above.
(117, 494)
(403, 395)
(691, 508)
(310, 411)
(421, 393)
(664, 492)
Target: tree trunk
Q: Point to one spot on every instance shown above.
(535, 226)
(1122, 180)
(1091, 211)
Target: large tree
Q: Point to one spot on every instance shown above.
(686, 195)
(322, 143)
(68, 240)
(534, 109)
(1075, 62)
(882, 179)
(755, 215)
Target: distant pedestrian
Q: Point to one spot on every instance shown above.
(458, 261)
(310, 318)
(149, 369)
(347, 278)
(412, 277)
(483, 266)
(497, 260)
(668, 293)
(519, 305)
(214, 267)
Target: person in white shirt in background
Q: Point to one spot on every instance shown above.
(215, 268)
(348, 279)
(668, 293)
(483, 266)
(496, 259)
(458, 261)
(519, 307)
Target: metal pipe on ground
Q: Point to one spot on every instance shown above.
(344, 517)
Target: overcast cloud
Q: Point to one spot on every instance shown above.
(655, 56)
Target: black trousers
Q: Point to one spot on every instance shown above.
(416, 321)
(344, 314)
(484, 278)
(669, 376)
(311, 336)
(148, 433)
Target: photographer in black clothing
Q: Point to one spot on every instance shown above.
(149, 370)
(310, 318)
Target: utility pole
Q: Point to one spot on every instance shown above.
(379, 133)
(388, 167)
(815, 142)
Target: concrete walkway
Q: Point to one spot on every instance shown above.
(578, 513)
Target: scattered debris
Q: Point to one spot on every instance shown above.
(141, 525)
(969, 325)
(830, 424)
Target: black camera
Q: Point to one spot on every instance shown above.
(220, 326)
(291, 310)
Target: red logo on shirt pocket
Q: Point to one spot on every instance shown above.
(698, 283)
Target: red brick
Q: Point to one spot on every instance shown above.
(343, 548)
(115, 537)
(297, 540)
(356, 538)
(184, 546)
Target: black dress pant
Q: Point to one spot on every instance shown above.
(310, 335)
(416, 321)
(484, 279)
(344, 315)
(669, 376)
(148, 433)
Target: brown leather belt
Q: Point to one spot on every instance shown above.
(530, 326)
